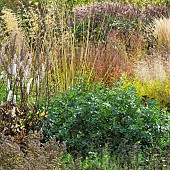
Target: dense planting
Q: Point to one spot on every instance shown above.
(63, 104)
(90, 116)
(100, 18)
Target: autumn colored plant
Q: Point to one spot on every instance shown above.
(30, 153)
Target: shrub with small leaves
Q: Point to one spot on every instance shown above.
(89, 116)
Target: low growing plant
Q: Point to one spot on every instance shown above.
(109, 161)
(154, 90)
(29, 153)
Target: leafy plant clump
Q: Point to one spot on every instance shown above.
(90, 116)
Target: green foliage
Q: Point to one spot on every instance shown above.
(40, 56)
(89, 116)
(108, 161)
(3, 91)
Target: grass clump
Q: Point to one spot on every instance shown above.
(162, 34)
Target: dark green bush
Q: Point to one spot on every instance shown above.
(89, 116)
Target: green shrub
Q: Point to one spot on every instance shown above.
(89, 116)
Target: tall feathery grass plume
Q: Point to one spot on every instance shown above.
(161, 31)
(10, 28)
(10, 20)
(15, 58)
